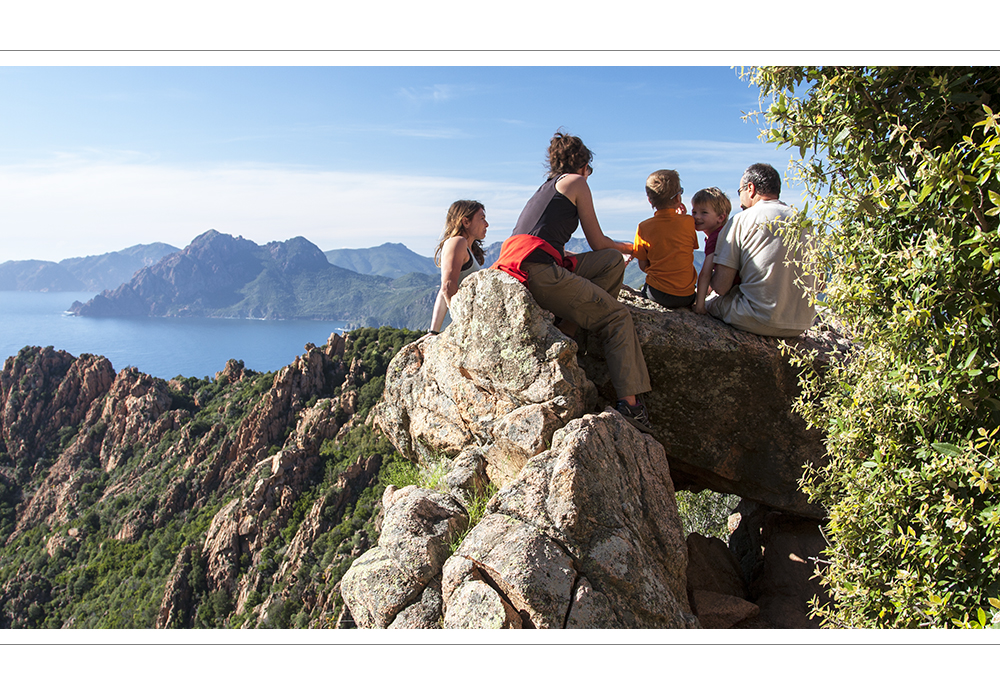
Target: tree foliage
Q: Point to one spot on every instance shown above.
(904, 164)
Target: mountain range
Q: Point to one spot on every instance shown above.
(390, 260)
(221, 276)
(89, 273)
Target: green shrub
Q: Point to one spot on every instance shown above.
(904, 166)
(706, 512)
(476, 509)
(400, 472)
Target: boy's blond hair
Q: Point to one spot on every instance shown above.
(714, 198)
(662, 186)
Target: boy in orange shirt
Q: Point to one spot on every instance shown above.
(665, 243)
(710, 209)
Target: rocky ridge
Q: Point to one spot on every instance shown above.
(128, 501)
(584, 530)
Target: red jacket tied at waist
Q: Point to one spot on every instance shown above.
(518, 247)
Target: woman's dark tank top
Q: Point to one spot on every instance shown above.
(548, 215)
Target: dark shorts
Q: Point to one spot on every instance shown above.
(666, 300)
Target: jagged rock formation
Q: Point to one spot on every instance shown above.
(510, 383)
(194, 502)
(221, 276)
(716, 587)
(398, 583)
(583, 530)
(586, 536)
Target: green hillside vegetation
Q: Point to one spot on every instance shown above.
(93, 579)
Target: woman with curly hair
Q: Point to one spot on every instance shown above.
(580, 289)
(459, 253)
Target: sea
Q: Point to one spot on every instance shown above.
(163, 347)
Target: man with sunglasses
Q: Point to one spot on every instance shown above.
(770, 299)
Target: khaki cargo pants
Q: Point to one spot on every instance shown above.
(589, 298)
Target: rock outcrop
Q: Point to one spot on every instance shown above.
(386, 587)
(721, 403)
(779, 555)
(586, 536)
(45, 392)
(501, 376)
(584, 531)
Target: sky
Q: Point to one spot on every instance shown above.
(96, 159)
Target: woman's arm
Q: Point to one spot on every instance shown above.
(454, 254)
(576, 189)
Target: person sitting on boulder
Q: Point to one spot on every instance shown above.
(665, 243)
(710, 208)
(580, 289)
(767, 300)
(459, 253)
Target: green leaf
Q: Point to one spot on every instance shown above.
(970, 358)
(946, 449)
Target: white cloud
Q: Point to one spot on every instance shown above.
(72, 206)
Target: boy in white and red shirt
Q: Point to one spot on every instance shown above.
(710, 209)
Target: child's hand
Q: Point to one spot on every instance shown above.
(699, 308)
(680, 209)
(625, 248)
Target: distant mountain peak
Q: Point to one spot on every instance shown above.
(391, 260)
(219, 275)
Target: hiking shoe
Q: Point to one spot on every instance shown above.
(636, 414)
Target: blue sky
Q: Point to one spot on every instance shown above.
(94, 159)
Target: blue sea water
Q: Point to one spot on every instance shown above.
(158, 346)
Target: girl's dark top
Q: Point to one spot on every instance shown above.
(548, 215)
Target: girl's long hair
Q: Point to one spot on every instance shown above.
(460, 211)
